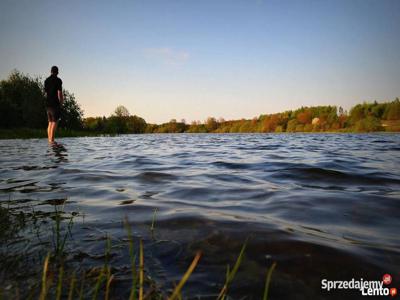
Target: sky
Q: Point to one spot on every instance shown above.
(187, 59)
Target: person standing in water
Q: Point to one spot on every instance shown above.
(54, 101)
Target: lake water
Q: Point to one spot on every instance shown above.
(320, 205)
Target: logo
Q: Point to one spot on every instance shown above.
(393, 292)
(387, 279)
(366, 287)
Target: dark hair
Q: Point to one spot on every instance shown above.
(54, 70)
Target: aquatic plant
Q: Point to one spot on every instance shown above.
(154, 220)
(59, 280)
(230, 275)
(268, 281)
(59, 235)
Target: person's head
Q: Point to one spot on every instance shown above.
(54, 70)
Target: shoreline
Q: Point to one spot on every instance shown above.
(27, 133)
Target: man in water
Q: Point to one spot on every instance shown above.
(54, 101)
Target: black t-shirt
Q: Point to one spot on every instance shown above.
(51, 85)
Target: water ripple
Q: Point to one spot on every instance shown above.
(328, 203)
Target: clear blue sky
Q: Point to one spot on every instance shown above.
(193, 59)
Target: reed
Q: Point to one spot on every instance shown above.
(59, 237)
(268, 281)
(99, 281)
(154, 220)
(230, 275)
(55, 266)
(178, 288)
(60, 282)
(43, 292)
(72, 287)
(108, 284)
(132, 295)
(82, 286)
(141, 269)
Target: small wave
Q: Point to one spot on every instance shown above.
(315, 174)
(232, 165)
(152, 177)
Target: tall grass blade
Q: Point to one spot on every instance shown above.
(132, 295)
(58, 235)
(178, 288)
(110, 279)
(268, 281)
(43, 292)
(230, 275)
(100, 279)
(237, 264)
(59, 284)
(62, 246)
(82, 286)
(154, 220)
(107, 252)
(72, 287)
(141, 269)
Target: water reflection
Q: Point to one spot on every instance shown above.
(59, 151)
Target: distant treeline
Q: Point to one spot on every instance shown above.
(22, 106)
(364, 117)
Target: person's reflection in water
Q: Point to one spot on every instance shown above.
(60, 152)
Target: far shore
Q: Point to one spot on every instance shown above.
(32, 133)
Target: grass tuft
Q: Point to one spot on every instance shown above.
(99, 283)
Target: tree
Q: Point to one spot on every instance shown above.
(291, 126)
(71, 113)
(121, 112)
(304, 117)
(117, 122)
(136, 124)
(211, 124)
(368, 124)
(392, 111)
(22, 104)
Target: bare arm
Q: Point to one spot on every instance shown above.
(60, 97)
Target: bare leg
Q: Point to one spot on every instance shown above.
(49, 132)
(53, 130)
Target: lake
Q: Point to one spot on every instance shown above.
(322, 206)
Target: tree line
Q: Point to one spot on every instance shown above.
(22, 105)
(366, 117)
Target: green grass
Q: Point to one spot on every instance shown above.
(59, 280)
(268, 280)
(230, 275)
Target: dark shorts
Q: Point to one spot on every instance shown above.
(53, 114)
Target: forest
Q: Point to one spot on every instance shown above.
(22, 106)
